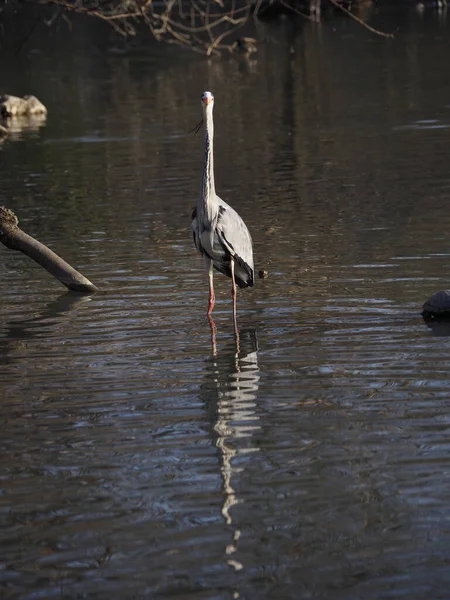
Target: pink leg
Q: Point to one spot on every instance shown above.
(212, 297)
(233, 288)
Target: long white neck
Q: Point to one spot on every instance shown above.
(208, 200)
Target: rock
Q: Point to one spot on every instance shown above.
(438, 306)
(13, 106)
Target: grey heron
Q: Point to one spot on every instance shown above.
(220, 234)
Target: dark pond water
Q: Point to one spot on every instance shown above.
(312, 462)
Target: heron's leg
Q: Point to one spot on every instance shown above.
(212, 298)
(233, 288)
(233, 295)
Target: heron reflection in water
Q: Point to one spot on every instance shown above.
(230, 396)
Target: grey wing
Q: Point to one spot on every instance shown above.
(234, 236)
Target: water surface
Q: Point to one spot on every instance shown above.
(310, 462)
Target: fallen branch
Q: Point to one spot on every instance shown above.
(14, 238)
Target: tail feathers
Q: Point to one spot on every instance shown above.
(243, 274)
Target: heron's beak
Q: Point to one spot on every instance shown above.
(207, 101)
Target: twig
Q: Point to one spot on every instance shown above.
(29, 34)
(223, 35)
(257, 8)
(296, 11)
(360, 21)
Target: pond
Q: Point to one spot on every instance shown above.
(312, 461)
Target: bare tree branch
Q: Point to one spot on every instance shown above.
(206, 26)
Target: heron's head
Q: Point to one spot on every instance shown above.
(207, 99)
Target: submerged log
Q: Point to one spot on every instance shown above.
(438, 306)
(13, 106)
(14, 238)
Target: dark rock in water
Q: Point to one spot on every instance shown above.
(438, 306)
